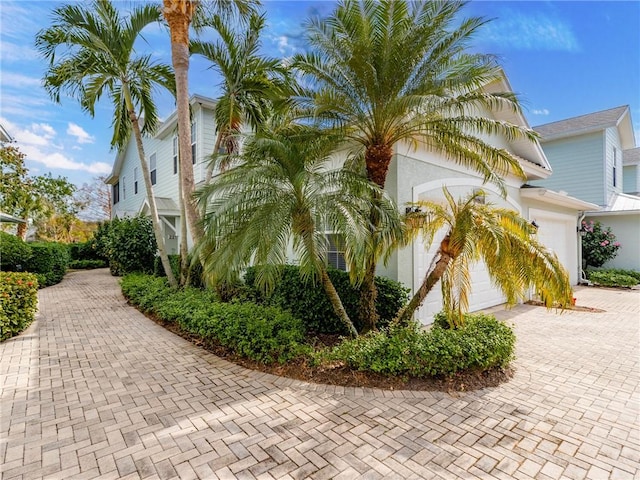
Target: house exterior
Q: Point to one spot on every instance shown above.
(4, 135)
(594, 158)
(414, 174)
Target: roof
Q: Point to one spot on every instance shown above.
(556, 198)
(4, 135)
(621, 203)
(631, 156)
(592, 122)
(164, 205)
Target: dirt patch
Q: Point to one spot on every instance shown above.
(576, 308)
(341, 375)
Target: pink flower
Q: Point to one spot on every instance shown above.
(616, 244)
(605, 243)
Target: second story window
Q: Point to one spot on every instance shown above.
(615, 167)
(135, 181)
(175, 155)
(115, 194)
(152, 169)
(193, 143)
(124, 188)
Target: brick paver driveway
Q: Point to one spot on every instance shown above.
(95, 390)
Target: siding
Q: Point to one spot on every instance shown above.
(631, 179)
(577, 167)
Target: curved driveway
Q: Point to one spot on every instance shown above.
(93, 389)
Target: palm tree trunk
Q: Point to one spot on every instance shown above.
(377, 160)
(155, 220)
(430, 279)
(327, 284)
(336, 303)
(178, 14)
(184, 248)
(22, 230)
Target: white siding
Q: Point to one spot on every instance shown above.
(631, 179)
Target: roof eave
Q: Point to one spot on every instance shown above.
(556, 198)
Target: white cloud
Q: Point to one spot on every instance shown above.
(542, 111)
(57, 160)
(81, 135)
(39, 134)
(18, 80)
(14, 52)
(535, 31)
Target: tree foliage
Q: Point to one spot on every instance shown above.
(599, 244)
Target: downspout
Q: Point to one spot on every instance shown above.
(581, 274)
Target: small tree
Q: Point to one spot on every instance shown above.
(599, 244)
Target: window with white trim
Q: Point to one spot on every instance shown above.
(175, 155)
(124, 188)
(135, 180)
(115, 193)
(335, 251)
(615, 167)
(193, 143)
(152, 168)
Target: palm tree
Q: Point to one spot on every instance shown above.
(393, 71)
(179, 15)
(250, 82)
(91, 52)
(504, 240)
(281, 194)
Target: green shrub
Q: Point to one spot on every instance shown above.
(612, 278)
(130, 245)
(50, 260)
(85, 251)
(18, 302)
(14, 252)
(599, 244)
(309, 302)
(264, 334)
(158, 269)
(483, 343)
(87, 264)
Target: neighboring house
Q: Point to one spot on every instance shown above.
(414, 174)
(594, 158)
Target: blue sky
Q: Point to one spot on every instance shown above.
(564, 58)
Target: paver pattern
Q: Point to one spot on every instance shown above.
(93, 389)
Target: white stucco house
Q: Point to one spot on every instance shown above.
(594, 157)
(413, 175)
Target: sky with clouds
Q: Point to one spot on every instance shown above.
(564, 58)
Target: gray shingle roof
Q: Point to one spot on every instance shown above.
(631, 156)
(583, 124)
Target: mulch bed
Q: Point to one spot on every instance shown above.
(577, 308)
(341, 375)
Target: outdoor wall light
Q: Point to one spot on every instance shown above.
(582, 230)
(534, 224)
(409, 210)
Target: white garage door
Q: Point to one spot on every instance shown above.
(558, 233)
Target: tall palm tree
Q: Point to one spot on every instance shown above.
(179, 15)
(91, 52)
(250, 82)
(280, 194)
(504, 240)
(390, 71)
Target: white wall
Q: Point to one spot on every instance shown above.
(626, 228)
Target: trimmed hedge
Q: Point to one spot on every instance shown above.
(85, 251)
(614, 278)
(482, 343)
(263, 334)
(18, 302)
(87, 264)
(14, 252)
(309, 302)
(128, 243)
(48, 260)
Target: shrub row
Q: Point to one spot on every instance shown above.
(85, 251)
(87, 264)
(614, 277)
(309, 302)
(48, 260)
(261, 333)
(482, 343)
(128, 244)
(18, 302)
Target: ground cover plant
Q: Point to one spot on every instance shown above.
(272, 339)
(614, 277)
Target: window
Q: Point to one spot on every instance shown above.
(175, 155)
(124, 188)
(193, 143)
(135, 181)
(152, 168)
(115, 193)
(335, 252)
(615, 167)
